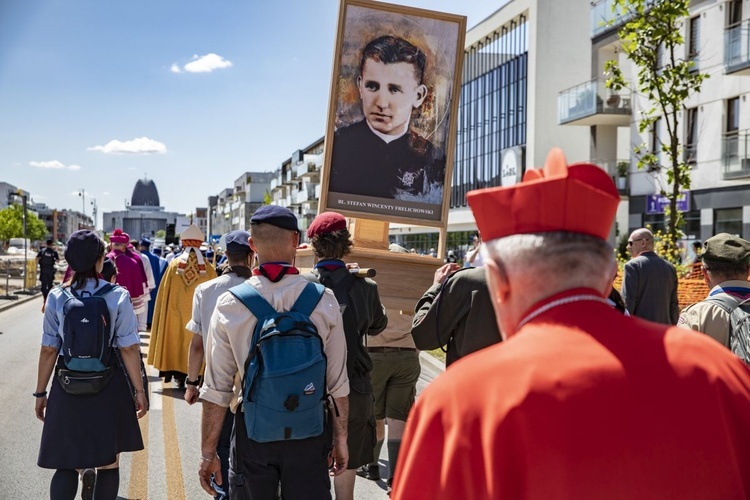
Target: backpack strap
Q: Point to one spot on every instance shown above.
(725, 301)
(104, 290)
(309, 298)
(66, 291)
(253, 300)
(730, 305)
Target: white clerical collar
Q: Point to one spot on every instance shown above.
(389, 138)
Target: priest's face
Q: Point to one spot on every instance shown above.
(389, 93)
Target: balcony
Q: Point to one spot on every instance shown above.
(737, 48)
(318, 188)
(275, 183)
(736, 155)
(304, 169)
(591, 103)
(602, 15)
(302, 196)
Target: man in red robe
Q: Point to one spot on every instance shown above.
(579, 401)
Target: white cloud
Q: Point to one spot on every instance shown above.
(138, 146)
(54, 164)
(203, 64)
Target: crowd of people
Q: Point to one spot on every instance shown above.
(550, 391)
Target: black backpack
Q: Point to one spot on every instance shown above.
(86, 330)
(358, 362)
(739, 324)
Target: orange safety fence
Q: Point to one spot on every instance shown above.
(689, 290)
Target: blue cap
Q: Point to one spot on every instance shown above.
(145, 242)
(157, 251)
(237, 241)
(276, 216)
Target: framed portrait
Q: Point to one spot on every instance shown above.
(390, 136)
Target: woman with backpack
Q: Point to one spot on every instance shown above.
(91, 414)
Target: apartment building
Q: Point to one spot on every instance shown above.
(296, 184)
(714, 127)
(232, 208)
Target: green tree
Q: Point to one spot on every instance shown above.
(161, 233)
(11, 224)
(651, 39)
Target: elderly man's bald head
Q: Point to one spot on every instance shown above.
(641, 240)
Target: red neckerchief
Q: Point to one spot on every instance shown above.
(274, 271)
(330, 265)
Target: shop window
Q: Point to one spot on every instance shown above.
(728, 220)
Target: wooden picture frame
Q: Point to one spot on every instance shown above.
(376, 166)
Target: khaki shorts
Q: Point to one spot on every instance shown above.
(394, 383)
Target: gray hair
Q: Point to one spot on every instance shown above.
(559, 257)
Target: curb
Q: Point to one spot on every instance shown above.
(21, 299)
(431, 360)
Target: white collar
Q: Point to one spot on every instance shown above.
(559, 302)
(389, 138)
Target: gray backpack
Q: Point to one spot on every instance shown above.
(739, 323)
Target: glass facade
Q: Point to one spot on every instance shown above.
(492, 108)
(728, 220)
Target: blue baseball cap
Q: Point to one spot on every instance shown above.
(276, 216)
(237, 241)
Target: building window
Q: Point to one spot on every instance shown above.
(731, 132)
(660, 56)
(694, 37)
(655, 145)
(728, 220)
(733, 115)
(691, 137)
(692, 225)
(734, 13)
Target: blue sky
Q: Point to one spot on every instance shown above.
(95, 94)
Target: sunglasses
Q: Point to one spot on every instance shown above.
(630, 242)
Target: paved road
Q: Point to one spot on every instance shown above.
(166, 469)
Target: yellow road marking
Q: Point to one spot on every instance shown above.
(175, 483)
(138, 486)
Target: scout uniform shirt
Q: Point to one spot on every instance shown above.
(709, 317)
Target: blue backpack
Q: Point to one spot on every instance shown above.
(284, 388)
(86, 330)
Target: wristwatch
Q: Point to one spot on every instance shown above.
(39, 394)
(192, 382)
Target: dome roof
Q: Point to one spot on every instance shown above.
(145, 194)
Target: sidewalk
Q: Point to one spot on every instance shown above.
(7, 304)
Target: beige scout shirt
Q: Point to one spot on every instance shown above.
(710, 318)
(231, 330)
(396, 334)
